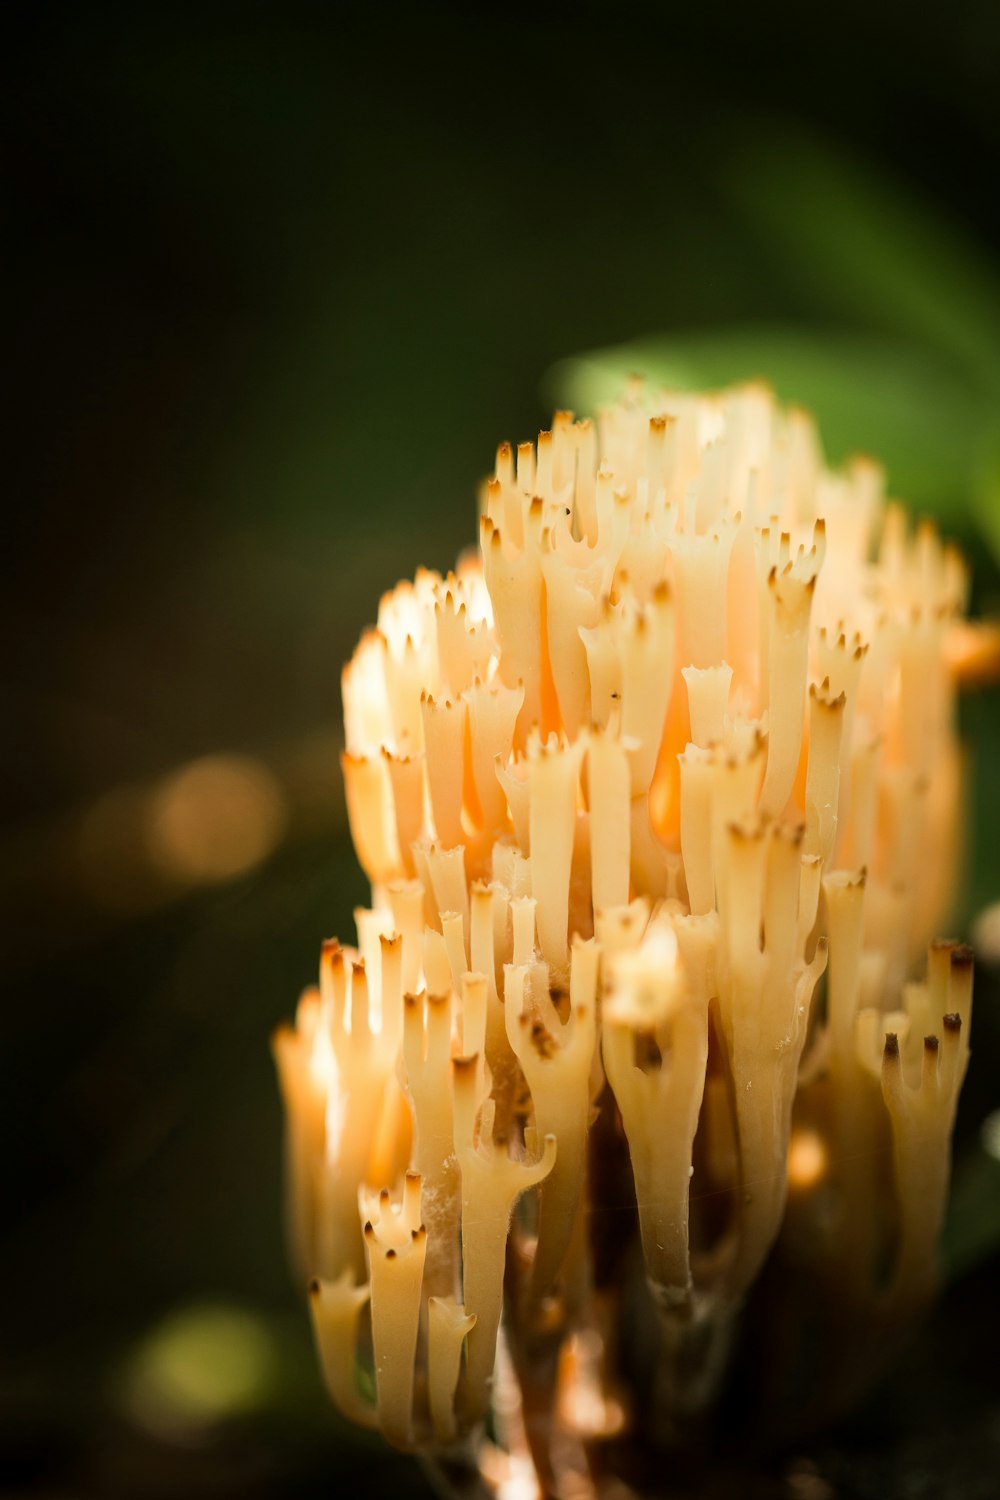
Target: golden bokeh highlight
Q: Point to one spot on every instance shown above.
(214, 819)
(807, 1160)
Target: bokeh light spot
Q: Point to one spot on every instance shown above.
(215, 818)
(986, 934)
(201, 1365)
(989, 1134)
(806, 1160)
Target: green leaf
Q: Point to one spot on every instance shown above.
(858, 243)
(870, 394)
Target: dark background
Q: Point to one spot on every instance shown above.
(278, 283)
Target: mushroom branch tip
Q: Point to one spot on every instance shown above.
(659, 797)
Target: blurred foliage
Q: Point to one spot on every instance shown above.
(901, 358)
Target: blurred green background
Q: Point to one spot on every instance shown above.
(281, 280)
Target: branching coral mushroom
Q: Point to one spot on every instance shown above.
(658, 796)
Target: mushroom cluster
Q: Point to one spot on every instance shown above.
(658, 794)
